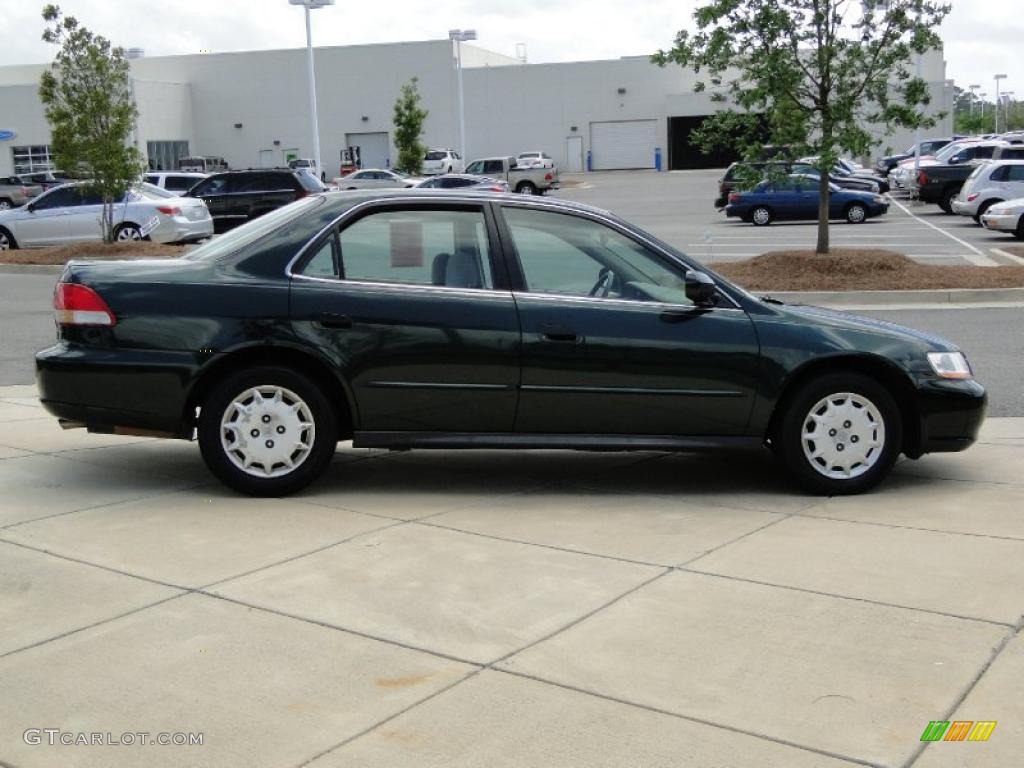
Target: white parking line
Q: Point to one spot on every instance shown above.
(977, 257)
(1008, 255)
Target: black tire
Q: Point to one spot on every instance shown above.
(1019, 234)
(814, 475)
(856, 213)
(222, 461)
(946, 203)
(761, 216)
(7, 241)
(123, 232)
(527, 188)
(983, 208)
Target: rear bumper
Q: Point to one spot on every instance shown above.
(181, 230)
(110, 388)
(962, 208)
(952, 412)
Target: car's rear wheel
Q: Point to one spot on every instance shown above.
(761, 216)
(527, 188)
(840, 434)
(127, 231)
(7, 242)
(856, 213)
(267, 431)
(946, 203)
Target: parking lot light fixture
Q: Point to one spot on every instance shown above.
(974, 95)
(459, 36)
(995, 124)
(309, 5)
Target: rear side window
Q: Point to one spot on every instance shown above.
(418, 247)
(309, 182)
(1015, 173)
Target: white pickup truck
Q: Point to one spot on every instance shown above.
(526, 181)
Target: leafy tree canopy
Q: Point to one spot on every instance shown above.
(813, 75)
(88, 100)
(409, 118)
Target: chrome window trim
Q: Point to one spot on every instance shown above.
(432, 198)
(406, 287)
(624, 303)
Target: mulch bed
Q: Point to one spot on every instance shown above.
(61, 254)
(855, 269)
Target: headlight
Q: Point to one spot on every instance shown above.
(879, 199)
(950, 365)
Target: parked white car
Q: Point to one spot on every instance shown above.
(1006, 217)
(534, 159)
(989, 184)
(442, 161)
(376, 178)
(68, 214)
(174, 181)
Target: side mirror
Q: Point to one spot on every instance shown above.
(700, 289)
(30, 207)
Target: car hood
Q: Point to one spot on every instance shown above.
(839, 320)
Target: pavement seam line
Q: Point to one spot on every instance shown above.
(689, 718)
(782, 518)
(469, 676)
(867, 600)
(880, 524)
(962, 696)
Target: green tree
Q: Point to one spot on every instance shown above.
(88, 100)
(812, 74)
(408, 119)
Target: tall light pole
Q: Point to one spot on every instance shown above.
(459, 36)
(1007, 100)
(309, 5)
(974, 96)
(995, 125)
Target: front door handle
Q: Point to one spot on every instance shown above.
(558, 333)
(332, 320)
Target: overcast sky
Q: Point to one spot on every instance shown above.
(982, 36)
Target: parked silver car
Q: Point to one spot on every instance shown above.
(69, 213)
(15, 192)
(376, 178)
(465, 181)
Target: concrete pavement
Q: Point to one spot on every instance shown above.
(503, 609)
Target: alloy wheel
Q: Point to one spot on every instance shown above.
(5, 242)
(129, 233)
(762, 216)
(267, 431)
(843, 435)
(856, 214)
(4, 205)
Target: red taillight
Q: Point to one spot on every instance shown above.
(922, 178)
(75, 304)
(26, 191)
(548, 176)
(496, 188)
(734, 197)
(169, 210)
(301, 193)
(972, 197)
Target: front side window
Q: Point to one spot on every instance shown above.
(418, 247)
(215, 185)
(569, 255)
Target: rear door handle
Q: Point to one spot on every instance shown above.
(558, 333)
(332, 320)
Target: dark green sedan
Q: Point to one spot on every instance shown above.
(411, 319)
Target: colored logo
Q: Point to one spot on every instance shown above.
(958, 730)
(7, 135)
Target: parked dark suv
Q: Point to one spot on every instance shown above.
(235, 197)
(432, 319)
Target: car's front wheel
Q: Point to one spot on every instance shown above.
(840, 434)
(267, 431)
(7, 242)
(856, 214)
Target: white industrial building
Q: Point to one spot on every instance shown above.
(252, 107)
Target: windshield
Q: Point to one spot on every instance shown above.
(252, 231)
(948, 151)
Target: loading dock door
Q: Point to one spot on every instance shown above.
(623, 144)
(374, 148)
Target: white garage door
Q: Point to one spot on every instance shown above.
(374, 148)
(622, 144)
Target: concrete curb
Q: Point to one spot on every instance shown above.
(950, 296)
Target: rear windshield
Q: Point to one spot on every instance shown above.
(239, 237)
(310, 182)
(436, 155)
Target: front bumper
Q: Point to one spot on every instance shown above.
(106, 389)
(951, 412)
(1001, 222)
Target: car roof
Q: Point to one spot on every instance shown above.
(360, 196)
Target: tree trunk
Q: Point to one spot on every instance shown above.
(823, 204)
(108, 221)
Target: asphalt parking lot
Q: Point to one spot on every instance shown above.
(504, 609)
(679, 208)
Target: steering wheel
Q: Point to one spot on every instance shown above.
(605, 280)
